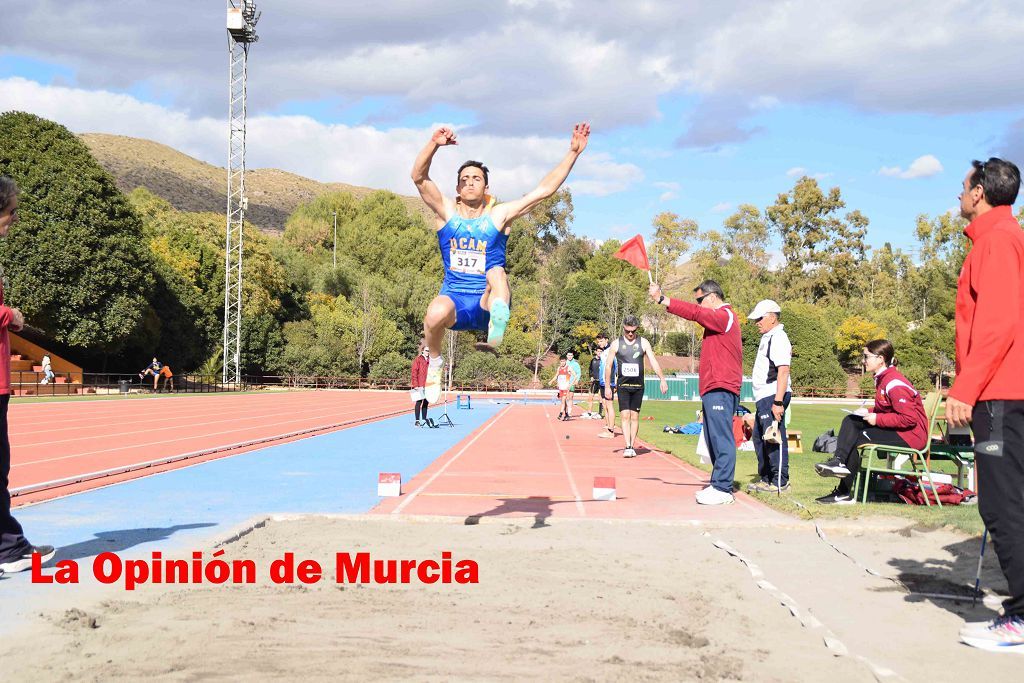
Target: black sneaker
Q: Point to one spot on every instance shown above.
(561, 415)
(20, 563)
(832, 468)
(836, 498)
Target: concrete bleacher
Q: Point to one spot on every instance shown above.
(27, 371)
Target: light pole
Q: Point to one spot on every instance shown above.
(335, 239)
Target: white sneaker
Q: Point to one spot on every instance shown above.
(712, 496)
(1005, 634)
(605, 434)
(629, 453)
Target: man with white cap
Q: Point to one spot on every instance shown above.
(772, 392)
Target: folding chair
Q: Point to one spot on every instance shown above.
(961, 455)
(919, 459)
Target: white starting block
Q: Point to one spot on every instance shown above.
(604, 488)
(389, 484)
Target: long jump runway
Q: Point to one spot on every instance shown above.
(526, 462)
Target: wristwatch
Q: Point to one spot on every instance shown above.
(778, 403)
(661, 299)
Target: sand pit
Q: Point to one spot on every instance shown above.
(573, 600)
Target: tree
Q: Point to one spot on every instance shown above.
(672, 239)
(851, 336)
(943, 248)
(550, 222)
(823, 250)
(77, 265)
(549, 316)
(814, 359)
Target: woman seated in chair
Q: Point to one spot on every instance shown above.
(897, 419)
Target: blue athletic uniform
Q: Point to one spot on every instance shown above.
(469, 248)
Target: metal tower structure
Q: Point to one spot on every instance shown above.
(241, 25)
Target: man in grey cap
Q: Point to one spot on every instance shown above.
(772, 392)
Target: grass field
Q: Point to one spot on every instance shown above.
(806, 485)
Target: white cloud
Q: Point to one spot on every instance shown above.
(846, 44)
(800, 172)
(360, 155)
(671, 190)
(534, 66)
(921, 167)
(765, 102)
(721, 207)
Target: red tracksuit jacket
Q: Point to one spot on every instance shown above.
(898, 406)
(419, 371)
(990, 311)
(721, 351)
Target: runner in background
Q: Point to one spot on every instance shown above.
(596, 378)
(563, 378)
(574, 378)
(629, 350)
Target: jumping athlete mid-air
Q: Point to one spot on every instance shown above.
(471, 232)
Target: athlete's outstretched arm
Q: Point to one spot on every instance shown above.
(510, 211)
(432, 196)
(649, 352)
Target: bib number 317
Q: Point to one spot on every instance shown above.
(469, 262)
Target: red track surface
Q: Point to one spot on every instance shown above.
(521, 463)
(52, 441)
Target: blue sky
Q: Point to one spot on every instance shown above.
(695, 108)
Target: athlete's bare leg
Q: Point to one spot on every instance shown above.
(630, 425)
(609, 413)
(497, 288)
(440, 316)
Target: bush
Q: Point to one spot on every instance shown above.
(489, 369)
(867, 385)
(392, 367)
(814, 358)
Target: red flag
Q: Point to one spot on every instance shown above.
(633, 251)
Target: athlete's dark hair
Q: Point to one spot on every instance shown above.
(631, 321)
(883, 348)
(1000, 180)
(711, 287)
(8, 191)
(474, 164)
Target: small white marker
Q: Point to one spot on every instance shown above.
(389, 484)
(604, 488)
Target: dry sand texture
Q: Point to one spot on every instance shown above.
(571, 600)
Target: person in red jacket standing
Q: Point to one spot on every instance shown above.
(989, 391)
(15, 550)
(418, 383)
(721, 376)
(897, 419)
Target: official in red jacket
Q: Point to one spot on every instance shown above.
(989, 389)
(15, 550)
(721, 376)
(897, 419)
(418, 382)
